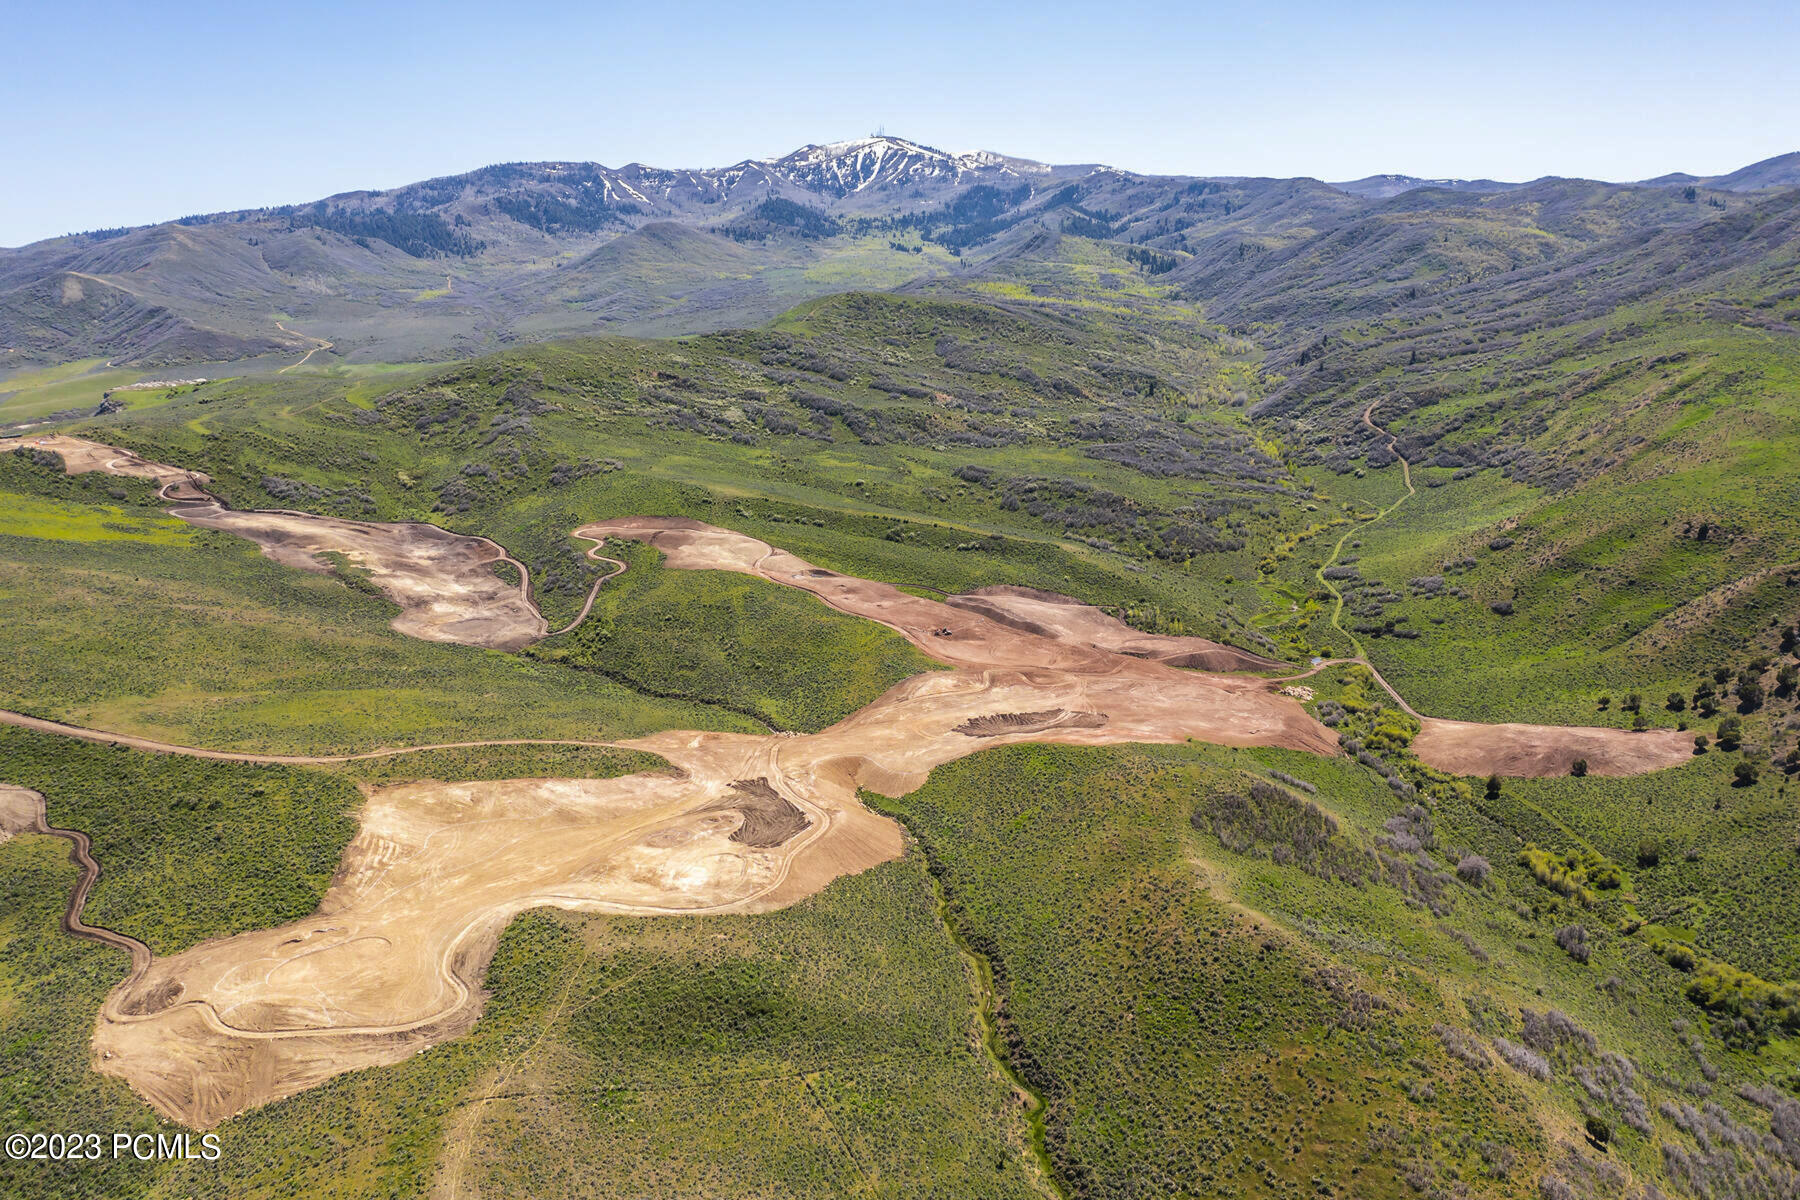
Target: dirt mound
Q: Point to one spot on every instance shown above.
(998, 613)
(997, 724)
(1026, 593)
(1534, 751)
(770, 818)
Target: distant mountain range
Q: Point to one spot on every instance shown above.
(1782, 171)
(523, 251)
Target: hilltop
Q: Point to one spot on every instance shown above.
(470, 263)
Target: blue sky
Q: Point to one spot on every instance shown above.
(130, 113)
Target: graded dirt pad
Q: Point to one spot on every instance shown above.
(443, 582)
(1534, 751)
(1067, 618)
(19, 809)
(80, 456)
(392, 961)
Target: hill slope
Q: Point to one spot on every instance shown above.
(468, 263)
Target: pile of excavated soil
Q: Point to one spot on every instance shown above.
(1051, 614)
(769, 818)
(1030, 722)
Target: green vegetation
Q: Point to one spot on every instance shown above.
(1566, 477)
(189, 849)
(827, 1043)
(1097, 972)
(1132, 997)
(1442, 1011)
(1576, 874)
(742, 644)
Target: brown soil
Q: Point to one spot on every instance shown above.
(1528, 751)
(1053, 615)
(392, 961)
(1467, 748)
(443, 582)
(769, 818)
(1031, 722)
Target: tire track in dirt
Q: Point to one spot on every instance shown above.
(319, 344)
(619, 568)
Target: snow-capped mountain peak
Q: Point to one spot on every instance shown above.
(841, 168)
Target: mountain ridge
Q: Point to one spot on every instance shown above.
(462, 264)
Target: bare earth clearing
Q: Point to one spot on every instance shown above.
(443, 582)
(392, 960)
(1468, 748)
(1069, 619)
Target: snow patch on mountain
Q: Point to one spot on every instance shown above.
(842, 168)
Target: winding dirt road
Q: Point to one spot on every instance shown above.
(319, 343)
(1337, 612)
(593, 552)
(392, 960)
(1474, 748)
(22, 811)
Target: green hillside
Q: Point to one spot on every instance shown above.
(1534, 451)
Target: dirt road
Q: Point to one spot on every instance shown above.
(40, 725)
(392, 961)
(1337, 611)
(318, 343)
(22, 811)
(593, 552)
